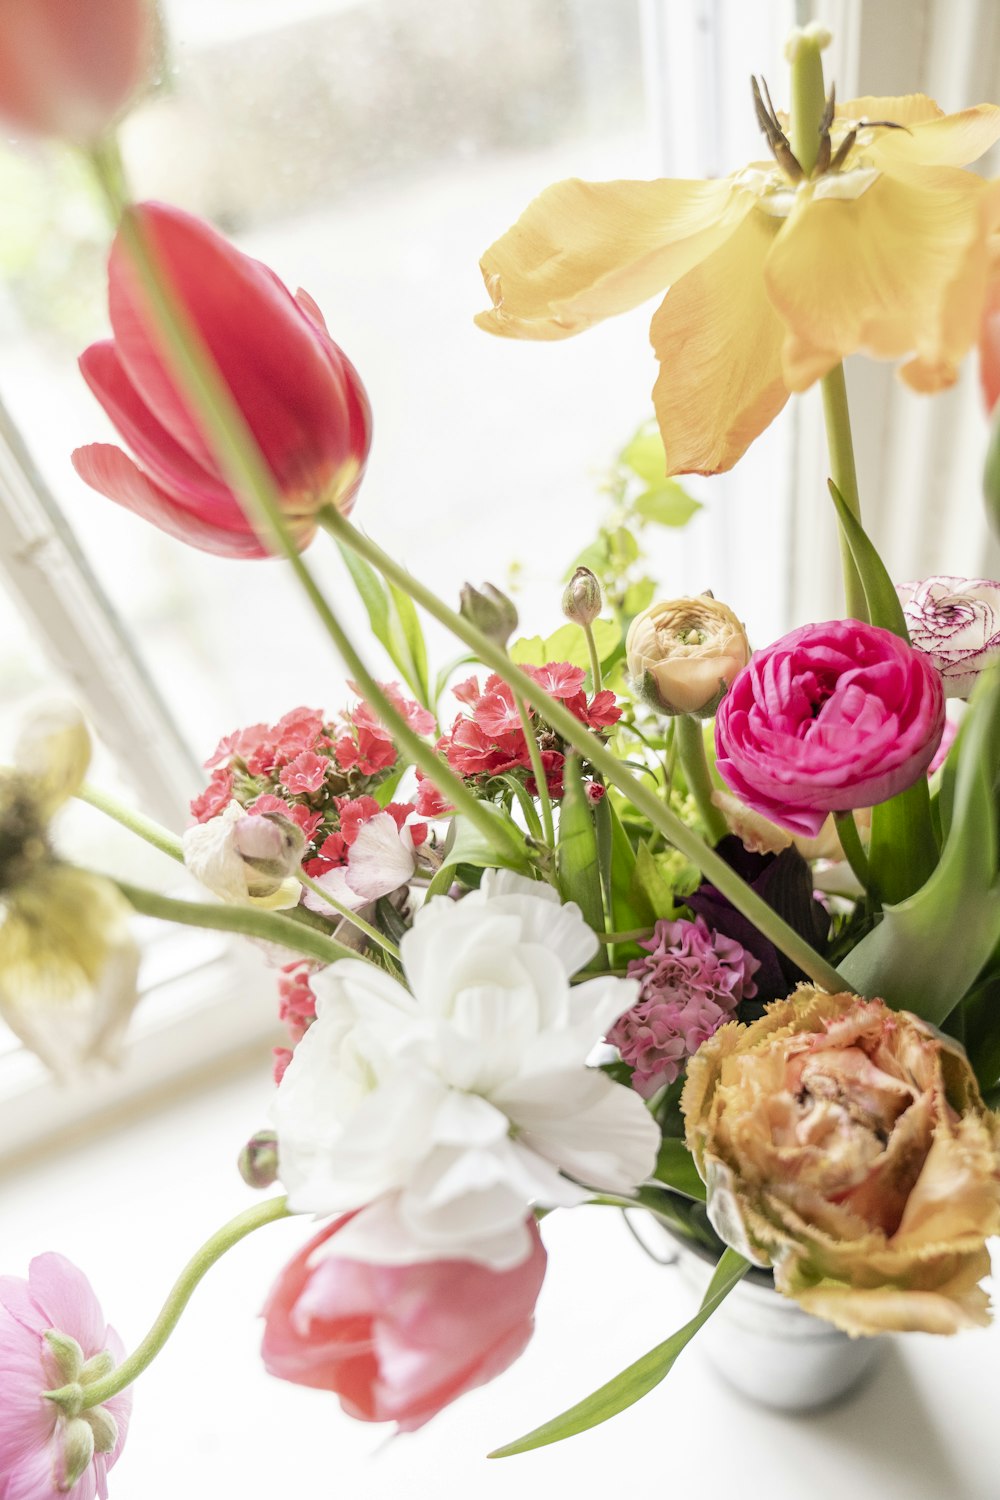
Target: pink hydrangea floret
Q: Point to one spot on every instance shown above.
(690, 983)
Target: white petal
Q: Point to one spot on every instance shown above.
(381, 858)
(593, 1129)
(334, 881)
(382, 1234)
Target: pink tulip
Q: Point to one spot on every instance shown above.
(301, 397)
(69, 67)
(831, 717)
(397, 1343)
(52, 1333)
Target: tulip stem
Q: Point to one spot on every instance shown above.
(180, 1294)
(224, 427)
(844, 474)
(538, 771)
(649, 803)
(271, 926)
(808, 99)
(597, 681)
(348, 915)
(136, 822)
(850, 842)
(694, 764)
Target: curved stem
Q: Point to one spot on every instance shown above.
(271, 926)
(691, 745)
(538, 771)
(850, 842)
(224, 1239)
(136, 822)
(348, 915)
(844, 474)
(712, 866)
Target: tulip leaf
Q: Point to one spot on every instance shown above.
(928, 951)
(578, 872)
(675, 1166)
(641, 1377)
(393, 619)
(902, 848)
(628, 905)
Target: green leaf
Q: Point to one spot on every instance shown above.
(384, 791)
(407, 643)
(927, 952)
(902, 850)
(668, 504)
(649, 888)
(467, 845)
(568, 644)
(675, 1166)
(638, 596)
(577, 868)
(371, 591)
(596, 557)
(645, 455)
(640, 1378)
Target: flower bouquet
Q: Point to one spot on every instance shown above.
(627, 915)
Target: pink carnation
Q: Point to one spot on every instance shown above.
(690, 984)
(45, 1455)
(831, 717)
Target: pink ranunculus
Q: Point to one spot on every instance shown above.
(397, 1343)
(45, 1454)
(301, 397)
(831, 717)
(69, 69)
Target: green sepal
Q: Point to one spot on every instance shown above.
(641, 1377)
(902, 848)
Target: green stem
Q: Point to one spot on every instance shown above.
(596, 679)
(647, 802)
(850, 842)
(844, 474)
(154, 833)
(694, 764)
(271, 926)
(538, 771)
(348, 915)
(808, 102)
(239, 458)
(212, 1250)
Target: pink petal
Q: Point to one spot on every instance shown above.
(112, 473)
(381, 858)
(67, 1299)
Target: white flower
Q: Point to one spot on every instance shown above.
(446, 1113)
(246, 859)
(955, 622)
(380, 860)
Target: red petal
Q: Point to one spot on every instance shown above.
(111, 472)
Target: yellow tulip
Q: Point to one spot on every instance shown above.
(884, 249)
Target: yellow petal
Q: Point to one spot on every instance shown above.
(931, 138)
(583, 251)
(898, 270)
(719, 345)
(54, 750)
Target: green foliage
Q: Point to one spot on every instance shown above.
(567, 644)
(577, 867)
(395, 624)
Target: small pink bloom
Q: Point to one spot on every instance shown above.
(603, 710)
(300, 727)
(430, 803)
(558, 678)
(297, 1003)
(36, 1440)
(215, 798)
(269, 804)
(306, 819)
(282, 1057)
(397, 1343)
(831, 717)
(69, 69)
(238, 744)
(594, 791)
(305, 774)
(467, 691)
(299, 394)
(496, 714)
(353, 812)
(690, 984)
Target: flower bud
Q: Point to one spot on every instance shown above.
(248, 859)
(581, 601)
(258, 1161)
(682, 654)
(271, 846)
(76, 1453)
(490, 611)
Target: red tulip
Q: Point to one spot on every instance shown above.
(69, 67)
(397, 1343)
(300, 396)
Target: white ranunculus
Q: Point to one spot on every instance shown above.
(245, 858)
(446, 1113)
(955, 622)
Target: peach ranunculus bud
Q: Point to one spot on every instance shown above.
(847, 1145)
(69, 67)
(682, 654)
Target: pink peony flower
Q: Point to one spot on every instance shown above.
(690, 984)
(52, 1333)
(955, 622)
(831, 717)
(397, 1343)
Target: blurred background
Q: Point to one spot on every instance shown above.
(369, 151)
